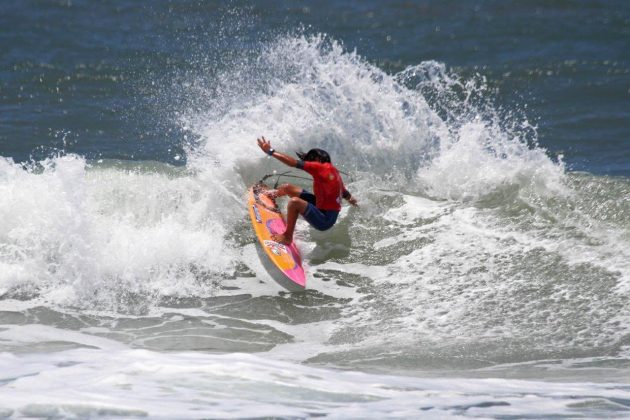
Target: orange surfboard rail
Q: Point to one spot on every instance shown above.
(286, 263)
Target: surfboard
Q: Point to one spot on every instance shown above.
(283, 262)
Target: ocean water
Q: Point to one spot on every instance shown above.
(485, 274)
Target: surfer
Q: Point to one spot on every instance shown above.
(320, 208)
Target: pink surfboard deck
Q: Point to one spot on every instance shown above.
(286, 263)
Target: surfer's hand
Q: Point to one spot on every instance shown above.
(264, 144)
(353, 201)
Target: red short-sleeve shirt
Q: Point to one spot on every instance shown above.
(327, 185)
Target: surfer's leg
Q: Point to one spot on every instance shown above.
(282, 190)
(296, 206)
(288, 189)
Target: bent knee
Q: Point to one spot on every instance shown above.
(291, 190)
(297, 203)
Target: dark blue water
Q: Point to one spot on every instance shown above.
(109, 79)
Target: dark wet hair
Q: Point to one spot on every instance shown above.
(314, 155)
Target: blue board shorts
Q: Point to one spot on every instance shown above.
(319, 219)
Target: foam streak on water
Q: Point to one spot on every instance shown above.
(140, 383)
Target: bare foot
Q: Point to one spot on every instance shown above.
(282, 238)
(273, 194)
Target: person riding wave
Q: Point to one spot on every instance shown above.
(319, 208)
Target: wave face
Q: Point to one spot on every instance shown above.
(473, 251)
(82, 236)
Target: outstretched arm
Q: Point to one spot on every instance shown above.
(346, 195)
(265, 145)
